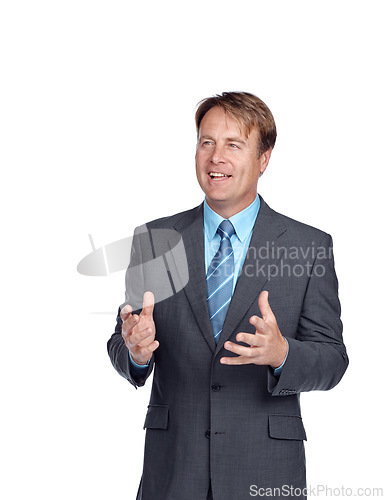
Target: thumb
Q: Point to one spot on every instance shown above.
(264, 306)
(148, 304)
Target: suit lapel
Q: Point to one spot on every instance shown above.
(191, 228)
(258, 263)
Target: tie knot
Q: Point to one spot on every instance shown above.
(226, 229)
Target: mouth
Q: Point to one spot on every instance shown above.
(218, 175)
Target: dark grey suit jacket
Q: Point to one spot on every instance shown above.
(233, 426)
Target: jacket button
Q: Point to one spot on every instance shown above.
(208, 434)
(216, 387)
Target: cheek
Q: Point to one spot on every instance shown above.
(199, 158)
(197, 165)
(198, 170)
(252, 171)
(200, 162)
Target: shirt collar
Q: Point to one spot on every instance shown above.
(243, 221)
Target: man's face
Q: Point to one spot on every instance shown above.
(227, 163)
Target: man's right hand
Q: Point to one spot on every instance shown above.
(139, 331)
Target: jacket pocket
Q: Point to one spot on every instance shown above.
(157, 417)
(286, 427)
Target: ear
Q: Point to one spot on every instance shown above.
(264, 160)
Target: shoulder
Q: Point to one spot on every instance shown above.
(155, 237)
(172, 221)
(296, 230)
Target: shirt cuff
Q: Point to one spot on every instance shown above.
(138, 367)
(278, 370)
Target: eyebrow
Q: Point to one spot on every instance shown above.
(229, 139)
(236, 139)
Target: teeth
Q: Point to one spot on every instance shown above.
(216, 174)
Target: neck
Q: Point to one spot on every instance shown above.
(225, 211)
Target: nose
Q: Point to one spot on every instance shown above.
(218, 155)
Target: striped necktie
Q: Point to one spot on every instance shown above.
(220, 279)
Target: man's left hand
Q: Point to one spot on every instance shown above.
(267, 346)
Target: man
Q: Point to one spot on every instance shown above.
(256, 323)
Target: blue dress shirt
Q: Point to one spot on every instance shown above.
(243, 223)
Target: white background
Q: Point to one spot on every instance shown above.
(97, 136)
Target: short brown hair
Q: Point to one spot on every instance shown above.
(248, 110)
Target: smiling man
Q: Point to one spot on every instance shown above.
(228, 162)
(257, 324)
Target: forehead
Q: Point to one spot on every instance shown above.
(218, 122)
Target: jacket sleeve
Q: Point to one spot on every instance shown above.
(317, 357)
(134, 290)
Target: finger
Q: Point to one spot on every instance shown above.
(125, 312)
(240, 349)
(252, 339)
(149, 337)
(129, 324)
(147, 350)
(260, 325)
(264, 306)
(137, 337)
(236, 360)
(148, 304)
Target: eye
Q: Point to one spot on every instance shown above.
(233, 146)
(207, 143)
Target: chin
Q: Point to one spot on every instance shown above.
(218, 202)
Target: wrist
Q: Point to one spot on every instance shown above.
(139, 362)
(283, 356)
